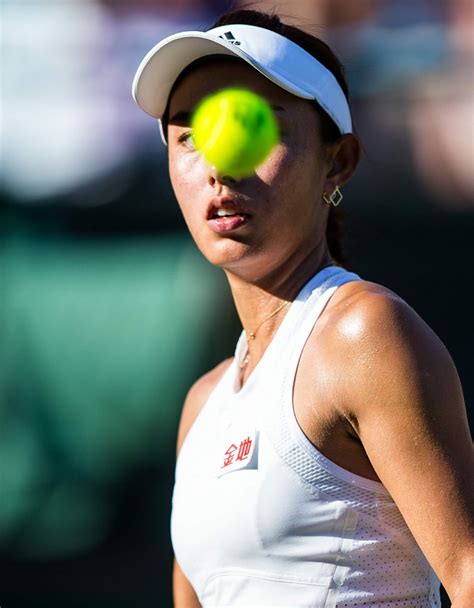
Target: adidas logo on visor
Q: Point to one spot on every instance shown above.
(229, 37)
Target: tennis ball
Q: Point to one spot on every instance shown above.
(235, 130)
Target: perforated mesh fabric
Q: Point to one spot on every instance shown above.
(414, 602)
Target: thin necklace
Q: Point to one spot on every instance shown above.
(252, 334)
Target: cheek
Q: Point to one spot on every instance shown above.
(293, 177)
(186, 174)
(291, 172)
(181, 167)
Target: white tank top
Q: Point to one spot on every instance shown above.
(262, 519)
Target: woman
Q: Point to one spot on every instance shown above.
(329, 462)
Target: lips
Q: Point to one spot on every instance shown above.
(226, 215)
(226, 206)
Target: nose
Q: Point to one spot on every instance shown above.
(216, 177)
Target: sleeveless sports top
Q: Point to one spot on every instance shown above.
(262, 519)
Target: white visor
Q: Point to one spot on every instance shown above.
(280, 60)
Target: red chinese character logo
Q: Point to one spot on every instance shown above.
(242, 454)
(229, 456)
(244, 449)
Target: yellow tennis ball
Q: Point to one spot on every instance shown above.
(235, 130)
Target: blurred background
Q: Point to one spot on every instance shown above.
(99, 282)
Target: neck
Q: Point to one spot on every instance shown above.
(257, 300)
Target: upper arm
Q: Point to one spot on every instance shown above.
(404, 398)
(184, 595)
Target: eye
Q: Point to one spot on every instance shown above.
(186, 139)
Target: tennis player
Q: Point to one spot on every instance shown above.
(329, 462)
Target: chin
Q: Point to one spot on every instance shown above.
(226, 254)
(240, 260)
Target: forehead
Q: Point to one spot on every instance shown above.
(214, 74)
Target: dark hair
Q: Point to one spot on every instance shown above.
(329, 131)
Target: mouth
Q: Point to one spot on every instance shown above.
(226, 206)
(227, 214)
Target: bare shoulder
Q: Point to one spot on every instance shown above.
(197, 397)
(365, 316)
(366, 301)
(375, 340)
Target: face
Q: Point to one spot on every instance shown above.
(282, 215)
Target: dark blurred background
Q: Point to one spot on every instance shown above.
(107, 311)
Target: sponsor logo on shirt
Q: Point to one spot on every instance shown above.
(237, 449)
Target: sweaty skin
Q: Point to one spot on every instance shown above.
(376, 391)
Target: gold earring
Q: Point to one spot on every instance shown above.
(335, 198)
